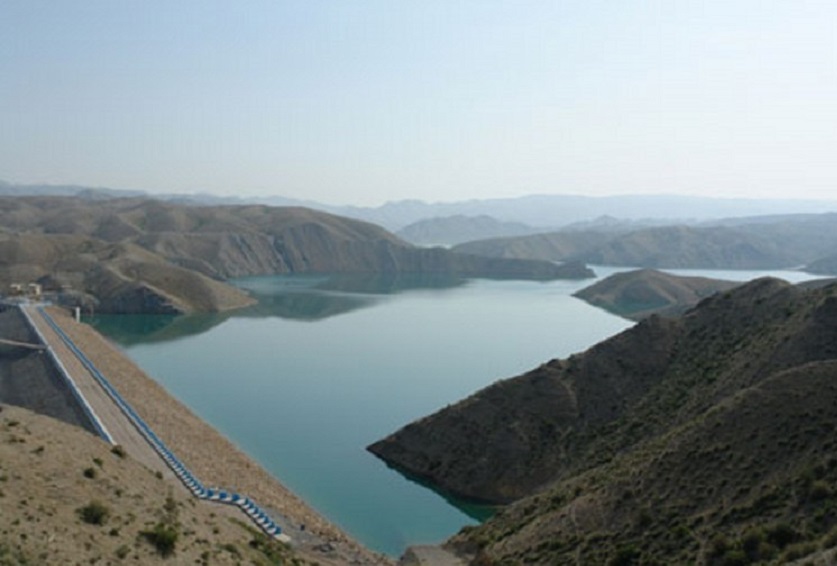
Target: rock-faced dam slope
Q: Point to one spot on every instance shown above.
(127, 255)
(686, 440)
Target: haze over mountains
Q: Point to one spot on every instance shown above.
(780, 242)
(543, 212)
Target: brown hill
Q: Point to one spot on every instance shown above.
(698, 439)
(121, 277)
(67, 498)
(148, 256)
(641, 293)
(688, 247)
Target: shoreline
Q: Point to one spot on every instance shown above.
(213, 458)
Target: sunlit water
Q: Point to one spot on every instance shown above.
(310, 377)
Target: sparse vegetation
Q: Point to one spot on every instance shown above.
(164, 538)
(94, 513)
(142, 526)
(706, 439)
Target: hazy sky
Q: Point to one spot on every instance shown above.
(366, 101)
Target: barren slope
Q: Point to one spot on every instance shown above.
(639, 294)
(654, 440)
(148, 256)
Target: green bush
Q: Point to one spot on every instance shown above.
(94, 513)
(163, 537)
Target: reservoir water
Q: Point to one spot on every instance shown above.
(321, 368)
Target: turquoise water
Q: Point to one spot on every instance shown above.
(321, 368)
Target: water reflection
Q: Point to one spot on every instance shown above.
(132, 329)
(303, 298)
(390, 283)
(479, 512)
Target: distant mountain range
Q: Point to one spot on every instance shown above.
(458, 229)
(764, 242)
(545, 211)
(705, 439)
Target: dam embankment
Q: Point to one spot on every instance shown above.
(29, 379)
(212, 457)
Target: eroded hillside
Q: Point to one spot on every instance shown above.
(146, 256)
(677, 441)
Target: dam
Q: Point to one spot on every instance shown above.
(42, 369)
(28, 378)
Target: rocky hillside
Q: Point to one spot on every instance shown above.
(68, 498)
(704, 439)
(148, 256)
(641, 293)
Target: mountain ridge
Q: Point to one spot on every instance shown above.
(785, 242)
(533, 209)
(134, 255)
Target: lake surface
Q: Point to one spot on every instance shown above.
(321, 368)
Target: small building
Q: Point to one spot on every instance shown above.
(33, 290)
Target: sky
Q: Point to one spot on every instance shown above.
(367, 101)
